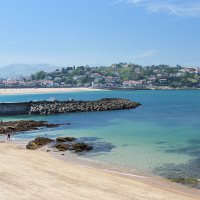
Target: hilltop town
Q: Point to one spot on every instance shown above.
(116, 76)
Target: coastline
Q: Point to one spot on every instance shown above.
(16, 91)
(21, 91)
(38, 174)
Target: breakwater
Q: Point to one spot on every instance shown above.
(20, 108)
(55, 107)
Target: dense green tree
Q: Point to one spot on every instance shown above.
(123, 72)
(39, 75)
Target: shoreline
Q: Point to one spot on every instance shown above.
(21, 91)
(16, 91)
(145, 187)
(84, 161)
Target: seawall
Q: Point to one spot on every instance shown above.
(21, 108)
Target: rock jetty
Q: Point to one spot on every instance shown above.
(106, 104)
(23, 125)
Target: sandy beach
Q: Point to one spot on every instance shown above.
(43, 90)
(37, 175)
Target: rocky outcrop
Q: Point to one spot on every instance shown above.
(61, 144)
(65, 139)
(23, 125)
(32, 146)
(47, 107)
(80, 147)
(193, 182)
(77, 147)
(38, 143)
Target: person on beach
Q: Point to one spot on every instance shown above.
(8, 136)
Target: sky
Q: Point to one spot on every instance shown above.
(100, 32)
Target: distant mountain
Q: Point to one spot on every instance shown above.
(16, 70)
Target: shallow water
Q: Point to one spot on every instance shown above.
(163, 131)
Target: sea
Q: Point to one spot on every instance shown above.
(160, 137)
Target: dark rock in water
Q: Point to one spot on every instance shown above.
(76, 147)
(187, 174)
(193, 150)
(52, 125)
(38, 142)
(186, 181)
(62, 146)
(80, 147)
(42, 141)
(67, 123)
(65, 139)
(31, 146)
(23, 125)
(161, 142)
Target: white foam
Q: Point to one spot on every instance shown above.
(116, 172)
(125, 174)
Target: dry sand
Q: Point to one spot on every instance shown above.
(43, 90)
(36, 175)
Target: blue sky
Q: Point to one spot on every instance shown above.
(95, 32)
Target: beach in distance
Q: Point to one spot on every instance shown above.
(37, 175)
(13, 91)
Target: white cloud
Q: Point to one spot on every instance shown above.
(145, 54)
(129, 1)
(182, 8)
(144, 57)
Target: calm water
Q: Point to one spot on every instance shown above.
(160, 136)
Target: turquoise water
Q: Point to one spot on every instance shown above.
(160, 136)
